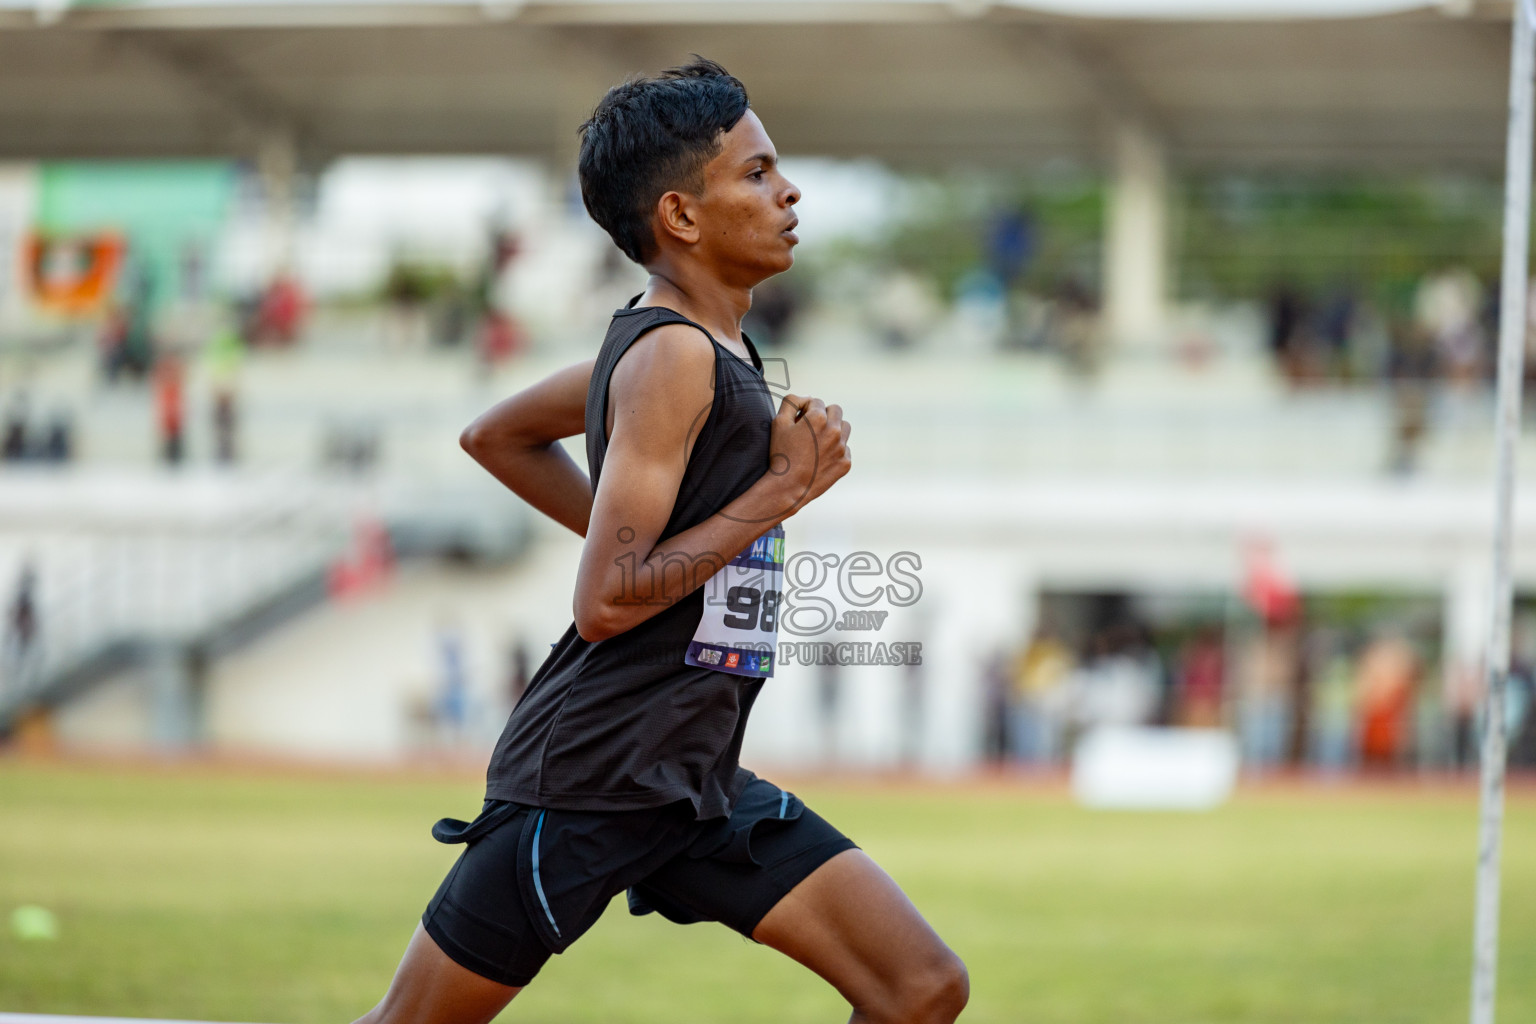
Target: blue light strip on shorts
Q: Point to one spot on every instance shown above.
(783, 802)
(538, 886)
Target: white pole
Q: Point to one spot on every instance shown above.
(1512, 327)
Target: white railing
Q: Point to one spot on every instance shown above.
(170, 560)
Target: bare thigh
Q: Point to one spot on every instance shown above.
(850, 923)
(429, 988)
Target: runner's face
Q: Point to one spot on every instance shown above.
(746, 217)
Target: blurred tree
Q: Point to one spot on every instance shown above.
(1242, 234)
(949, 226)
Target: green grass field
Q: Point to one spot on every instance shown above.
(260, 896)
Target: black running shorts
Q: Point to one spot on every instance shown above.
(532, 880)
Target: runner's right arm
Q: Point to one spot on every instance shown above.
(658, 395)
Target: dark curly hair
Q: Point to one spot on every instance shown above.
(650, 136)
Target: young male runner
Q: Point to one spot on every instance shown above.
(618, 768)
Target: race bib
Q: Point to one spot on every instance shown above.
(739, 630)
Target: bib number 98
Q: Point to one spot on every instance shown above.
(739, 619)
(752, 608)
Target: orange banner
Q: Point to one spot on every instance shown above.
(73, 275)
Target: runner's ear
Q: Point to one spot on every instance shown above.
(674, 218)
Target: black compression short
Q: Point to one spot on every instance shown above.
(533, 880)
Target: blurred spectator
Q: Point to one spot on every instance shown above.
(1528, 366)
(1519, 702)
(1521, 715)
(406, 291)
(169, 411)
(1447, 306)
(367, 565)
(21, 629)
(1037, 698)
(500, 335)
(995, 710)
(1267, 587)
(1462, 701)
(278, 317)
(1294, 691)
(1441, 333)
(1332, 726)
(451, 316)
(1336, 328)
(517, 671)
(58, 437)
(1073, 327)
(24, 440)
(1011, 244)
(453, 683)
(127, 337)
(1412, 369)
(1010, 248)
(1288, 338)
(224, 355)
(136, 352)
(113, 340)
(1518, 713)
(1201, 678)
(1121, 681)
(1270, 668)
(1388, 680)
(15, 447)
(1314, 340)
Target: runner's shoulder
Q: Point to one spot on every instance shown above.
(669, 356)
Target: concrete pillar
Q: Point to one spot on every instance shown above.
(1136, 246)
(176, 687)
(277, 163)
(1467, 614)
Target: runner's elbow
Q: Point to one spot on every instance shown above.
(595, 620)
(473, 439)
(590, 633)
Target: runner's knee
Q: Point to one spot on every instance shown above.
(935, 995)
(948, 993)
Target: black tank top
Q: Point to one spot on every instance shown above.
(624, 723)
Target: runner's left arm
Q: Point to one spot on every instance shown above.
(516, 441)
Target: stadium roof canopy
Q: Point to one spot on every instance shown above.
(1375, 83)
